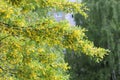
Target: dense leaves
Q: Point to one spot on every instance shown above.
(32, 44)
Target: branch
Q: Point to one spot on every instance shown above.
(4, 38)
(7, 25)
(1, 68)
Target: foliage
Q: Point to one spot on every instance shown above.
(103, 25)
(32, 43)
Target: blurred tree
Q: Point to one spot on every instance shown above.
(103, 25)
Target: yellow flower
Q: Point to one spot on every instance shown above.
(33, 75)
(33, 50)
(40, 50)
(10, 78)
(1, 70)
